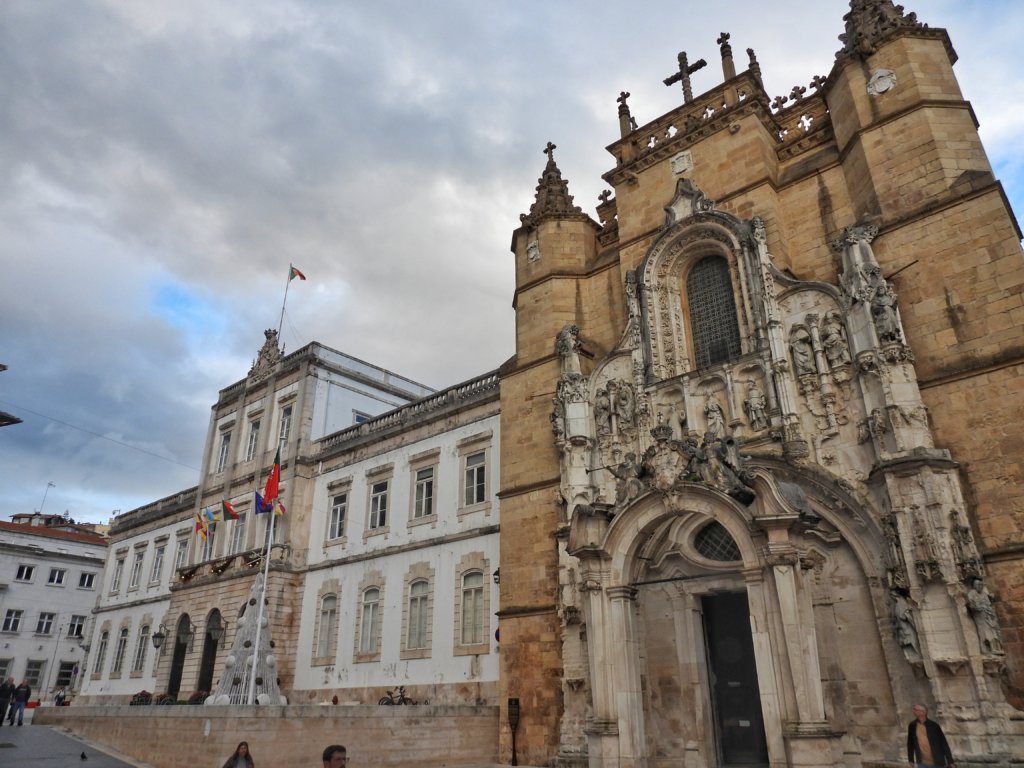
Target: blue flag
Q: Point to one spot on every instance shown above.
(261, 508)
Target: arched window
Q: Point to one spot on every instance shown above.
(473, 608)
(328, 625)
(714, 542)
(713, 324)
(101, 651)
(119, 650)
(140, 649)
(370, 620)
(417, 637)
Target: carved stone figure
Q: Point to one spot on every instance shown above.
(803, 352)
(883, 311)
(603, 412)
(715, 417)
(627, 482)
(625, 404)
(833, 340)
(906, 631)
(980, 606)
(755, 406)
(269, 356)
(567, 347)
(558, 419)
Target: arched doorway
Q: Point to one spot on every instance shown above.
(211, 640)
(182, 638)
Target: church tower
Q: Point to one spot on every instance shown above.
(760, 475)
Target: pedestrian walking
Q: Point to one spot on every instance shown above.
(242, 757)
(926, 743)
(21, 696)
(6, 694)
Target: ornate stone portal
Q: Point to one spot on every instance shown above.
(811, 452)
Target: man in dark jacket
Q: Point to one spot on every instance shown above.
(21, 696)
(926, 743)
(6, 692)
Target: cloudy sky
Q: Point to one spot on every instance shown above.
(163, 162)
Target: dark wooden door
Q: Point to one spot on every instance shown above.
(177, 665)
(735, 696)
(206, 665)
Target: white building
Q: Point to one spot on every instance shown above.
(50, 572)
(170, 601)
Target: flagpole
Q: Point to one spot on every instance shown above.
(280, 323)
(259, 612)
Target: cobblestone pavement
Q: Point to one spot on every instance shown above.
(40, 746)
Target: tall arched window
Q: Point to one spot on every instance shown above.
(141, 646)
(119, 650)
(370, 620)
(101, 651)
(716, 332)
(328, 625)
(417, 615)
(473, 608)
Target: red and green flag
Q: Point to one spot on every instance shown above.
(270, 493)
(293, 273)
(228, 510)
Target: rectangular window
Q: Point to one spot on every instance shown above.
(238, 533)
(225, 450)
(115, 581)
(371, 615)
(119, 650)
(358, 417)
(417, 637)
(339, 509)
(157, 571)
(86, 580)
(181, 555)
(286, 425)
(25, 573)
(476, 478)
(12, 620)
(65, 674)
(424, 504)
(208, 544)
(34, 672)
(77, 626)
(378, 505)
(57, 577)
(5, 668)
(45, 624)
(472, 608)
(328, 625)
(133, 580)
(254, 439)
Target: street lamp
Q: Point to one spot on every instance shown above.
(159, 636)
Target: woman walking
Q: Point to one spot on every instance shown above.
(242, 758)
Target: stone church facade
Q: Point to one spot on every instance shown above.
(760, 467)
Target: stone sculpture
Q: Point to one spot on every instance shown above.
(603, 412)
(883, 311)
(755, 406)
(625, 404)
(715, 417)
(803, 353)
(979, 604)
(833, 340)
(906, 631)
(567, 347)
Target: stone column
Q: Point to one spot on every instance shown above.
(628, 697)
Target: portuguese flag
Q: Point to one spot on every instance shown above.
(228, 510)
(293, 273)
(270, 494)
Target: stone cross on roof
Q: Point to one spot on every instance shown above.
(685, 70)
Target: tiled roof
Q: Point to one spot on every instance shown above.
(53, 533)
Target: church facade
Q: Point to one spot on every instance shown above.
(760, 474)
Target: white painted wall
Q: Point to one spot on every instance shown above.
(33, 547)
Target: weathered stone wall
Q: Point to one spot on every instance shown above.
(288, 737)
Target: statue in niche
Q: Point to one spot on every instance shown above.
(833, 340)
(979, 604)
(803, 352)
(716, 418)
(883, 311)
(603, 412)
(567, 347)
(755, 405)
(625, 404)
(906, 631)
